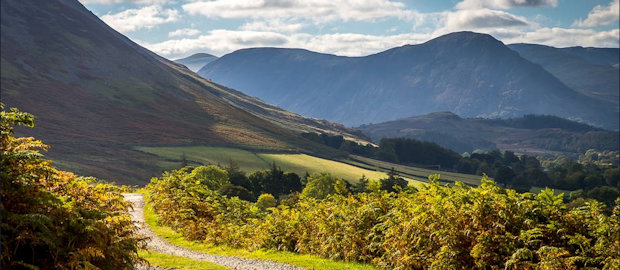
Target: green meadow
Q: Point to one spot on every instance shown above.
(348, 169)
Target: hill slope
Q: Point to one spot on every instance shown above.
(591, 71)
(196, 61)
(473, 75)
(96, 94)
(532, 134)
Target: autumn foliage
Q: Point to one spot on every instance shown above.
(433, 227)
(56, 220)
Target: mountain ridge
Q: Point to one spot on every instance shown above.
(531, 134)
(196, 61)
(471, 74)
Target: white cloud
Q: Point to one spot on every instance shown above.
(567, 37)
(504, 4)
(275, 25)
(473, 19)
(111, 2)
(349, 44)
(218, 42)
(319, 11)
(221, 42)
(601, 15)
(134, 19)
(184, 32)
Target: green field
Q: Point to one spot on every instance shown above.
(412, 172)
(299, 163)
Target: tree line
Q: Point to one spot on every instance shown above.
(595, 177)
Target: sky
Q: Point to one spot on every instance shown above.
(179, 28)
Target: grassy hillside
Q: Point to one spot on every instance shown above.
(96, 94)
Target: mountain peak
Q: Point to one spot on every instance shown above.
(196, 56)
(467, 39)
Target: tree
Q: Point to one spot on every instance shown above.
(231, 190)
(211, 176)
(320, 185)
(504, 175)
(612, 177)
(394, 182)
(274, 181)
(360, 185)
(183, 160)
(236, 176)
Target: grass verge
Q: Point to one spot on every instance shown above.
(306, 261)
(177, 262)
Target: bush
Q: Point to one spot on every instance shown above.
(265, 201)
(230, 190)
(485, 227)
(321, 185)
(54, 219)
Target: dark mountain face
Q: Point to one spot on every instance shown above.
(96, 94)
(597, 56)
(531, 134)
(196, 61)
(473, 75)
(591, 71)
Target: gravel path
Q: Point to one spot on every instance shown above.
(158, 244)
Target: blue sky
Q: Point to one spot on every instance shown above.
(178, 28)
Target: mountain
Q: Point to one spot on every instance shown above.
(196, 61)
(591, 71)
(471, 74)
(531, 134)
(97, 95)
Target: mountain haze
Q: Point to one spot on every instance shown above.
(196, 61)
(96, 95)
(531, 134)
(591, 71)
(471, 74)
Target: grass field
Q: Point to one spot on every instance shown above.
(351, 168)
(412, 172)
(307, 261)
(250, 161)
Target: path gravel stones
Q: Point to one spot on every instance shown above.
(158, 244)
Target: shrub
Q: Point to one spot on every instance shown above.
(56, 220)
(265, 201)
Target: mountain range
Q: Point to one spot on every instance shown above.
(96, 95)
(530, 134)
(591, 71)
(196, 61)
(470, 74)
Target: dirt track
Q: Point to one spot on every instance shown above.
(158, 244)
